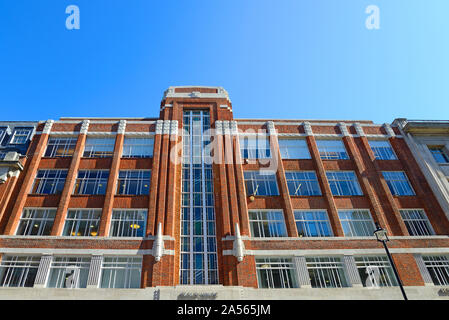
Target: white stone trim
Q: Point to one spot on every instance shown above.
(52, 251)
(48, 126)
(320, 252)
(84, 127)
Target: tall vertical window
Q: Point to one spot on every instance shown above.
(343, 183)
(134, 182)
(276, 273)
(138, 147)
(332, 149)
(326, 272)
(18, 271)
(99, 147)
(198, 237)
(294, 149)
(128, 223)
(82, 222)
(49, 182)
(416, 222)
(439, 154)
(382, 150)
(255, 147)
(398, 183)
(91, 182)
(60, 147)
(438, 267)
(261, 184)
(20, 135)
(375, 271)
(267, 224)
(302, 183)
(356, 223)
(69, 272)
(36, 222)
(121, 272)
(312, 223)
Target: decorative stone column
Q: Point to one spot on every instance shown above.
(93, 279)
(301, 272)
(351, 270)
(42, 271)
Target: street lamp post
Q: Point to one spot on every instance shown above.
(381, 236)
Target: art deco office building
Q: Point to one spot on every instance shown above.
(195, 202)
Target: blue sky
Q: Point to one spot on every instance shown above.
(281, 59)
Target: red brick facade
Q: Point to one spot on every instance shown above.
(231, 201)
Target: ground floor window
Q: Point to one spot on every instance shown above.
(18, 271)
(326, 272)
(121, 272)
(69, 272)
(438, 267)
(375, 271)
(276, 273)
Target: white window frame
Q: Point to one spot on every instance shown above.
(95, 176)
(316, 222)
(112, 266)
(119, 223)
(124, 177)
(13, 264)
(276, 225)
(332, 152)
(294, 149)
(331, 267)
(255, 179)
(378, 268)
(355, 225)
(256, 147)
(60, 178)
(282, 267)
(20, 132)
(94, 148)
(348, 177)
(382, 152)
(91, 217)
(302, 184)
(396, 185)
(67, 144)
(144, 146)
(417, 226)
(29, 223)
(79, 266)
(438, 268)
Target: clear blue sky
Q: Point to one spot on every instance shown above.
(302, 59)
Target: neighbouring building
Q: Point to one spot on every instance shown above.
(429, 142)
(15, 138)
(197, 204)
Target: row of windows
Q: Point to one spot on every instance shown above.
(259, 148)
(305, 183)
(100, 147)
(251, 148)
(71, 272)
(94, 182)
(263, 223)
(315, 223)
(272, 272)
(83, 222)
(19, 136)
(330, 272)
